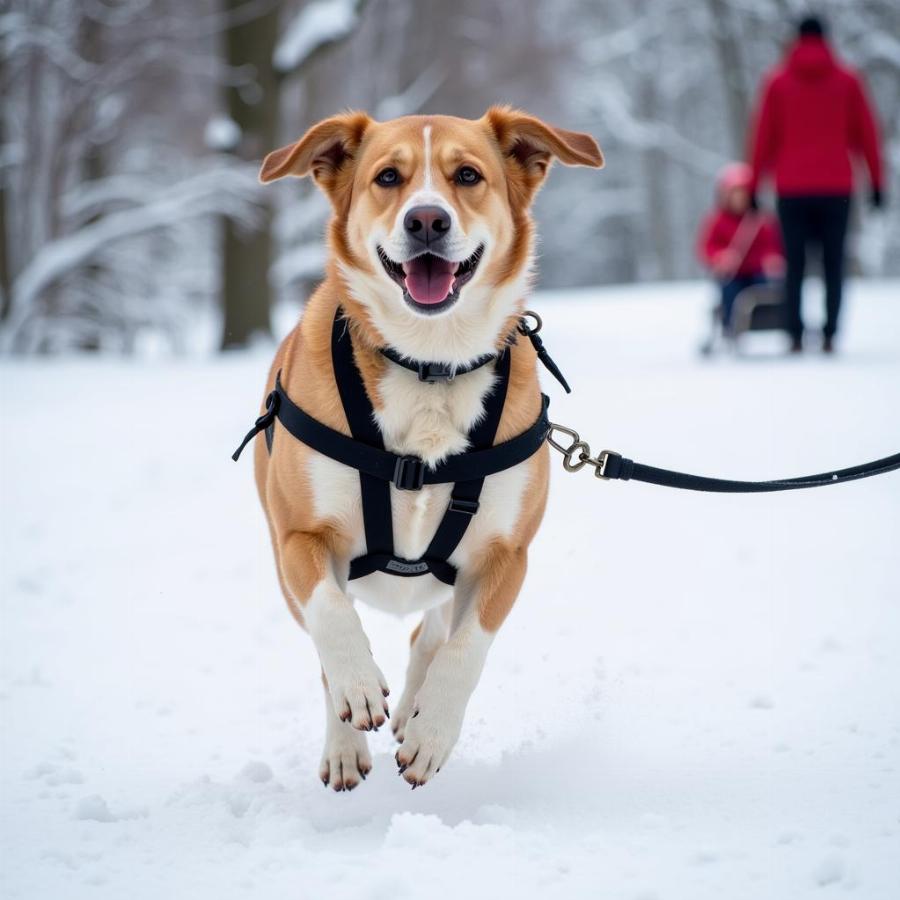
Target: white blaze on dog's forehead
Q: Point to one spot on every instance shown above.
(426, 131)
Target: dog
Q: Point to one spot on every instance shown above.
(431, 254)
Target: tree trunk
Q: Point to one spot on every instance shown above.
(5, 255)
(729, 52)
(93, 169)
(246, 253)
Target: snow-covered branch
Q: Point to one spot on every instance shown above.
(613, 107)
(319, 23)
(229, 191)
(17, 33)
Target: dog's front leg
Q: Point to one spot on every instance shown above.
(354, 683)
(481, 602)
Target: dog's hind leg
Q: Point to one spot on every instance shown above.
(425, 641)
(346, 757)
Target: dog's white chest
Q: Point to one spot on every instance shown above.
(430, 421)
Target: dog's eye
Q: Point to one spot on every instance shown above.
(468, 176)
(388, 177)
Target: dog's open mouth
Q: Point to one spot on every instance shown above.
(431, 283)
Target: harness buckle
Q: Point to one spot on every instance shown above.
(432, 372)
(409, 473)
(468, 507)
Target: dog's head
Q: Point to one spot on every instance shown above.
(432, 231)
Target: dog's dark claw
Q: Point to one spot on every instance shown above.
(403, 768)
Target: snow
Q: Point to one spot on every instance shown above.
(319, 22)
(222, 133)
(696, 697)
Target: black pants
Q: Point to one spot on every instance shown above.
(821, 220)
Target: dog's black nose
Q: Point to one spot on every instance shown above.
(427, 224)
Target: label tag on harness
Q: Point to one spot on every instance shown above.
(406, 568)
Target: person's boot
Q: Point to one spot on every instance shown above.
(828, 344)
(797, 345)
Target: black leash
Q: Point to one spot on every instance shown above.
(610, 466)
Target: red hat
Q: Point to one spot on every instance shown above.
(733, 175)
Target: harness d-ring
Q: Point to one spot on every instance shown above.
(523, 327)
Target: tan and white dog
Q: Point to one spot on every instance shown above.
(431, 251)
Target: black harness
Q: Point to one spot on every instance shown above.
(379, 468)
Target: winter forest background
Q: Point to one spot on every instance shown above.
(131, 132)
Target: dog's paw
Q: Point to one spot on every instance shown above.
(345, 760)
(428, 737)
(358, 690)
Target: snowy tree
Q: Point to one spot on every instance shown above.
(131, 133)
(110, 208)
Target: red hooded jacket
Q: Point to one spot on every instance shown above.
(813, 116)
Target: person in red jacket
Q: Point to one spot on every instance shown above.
(739, 245)
(813, 119)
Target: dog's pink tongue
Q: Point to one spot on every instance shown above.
(429, 278)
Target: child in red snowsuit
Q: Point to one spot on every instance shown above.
(739, 245)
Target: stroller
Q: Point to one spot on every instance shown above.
(759, 307)
(742, 246)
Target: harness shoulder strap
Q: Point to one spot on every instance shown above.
(464, 499)
(375, 492)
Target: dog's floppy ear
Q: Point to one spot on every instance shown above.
(323, 152)
(532, 145)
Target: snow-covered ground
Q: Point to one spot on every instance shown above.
(695, 697)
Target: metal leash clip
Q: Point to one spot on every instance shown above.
(577, 454)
